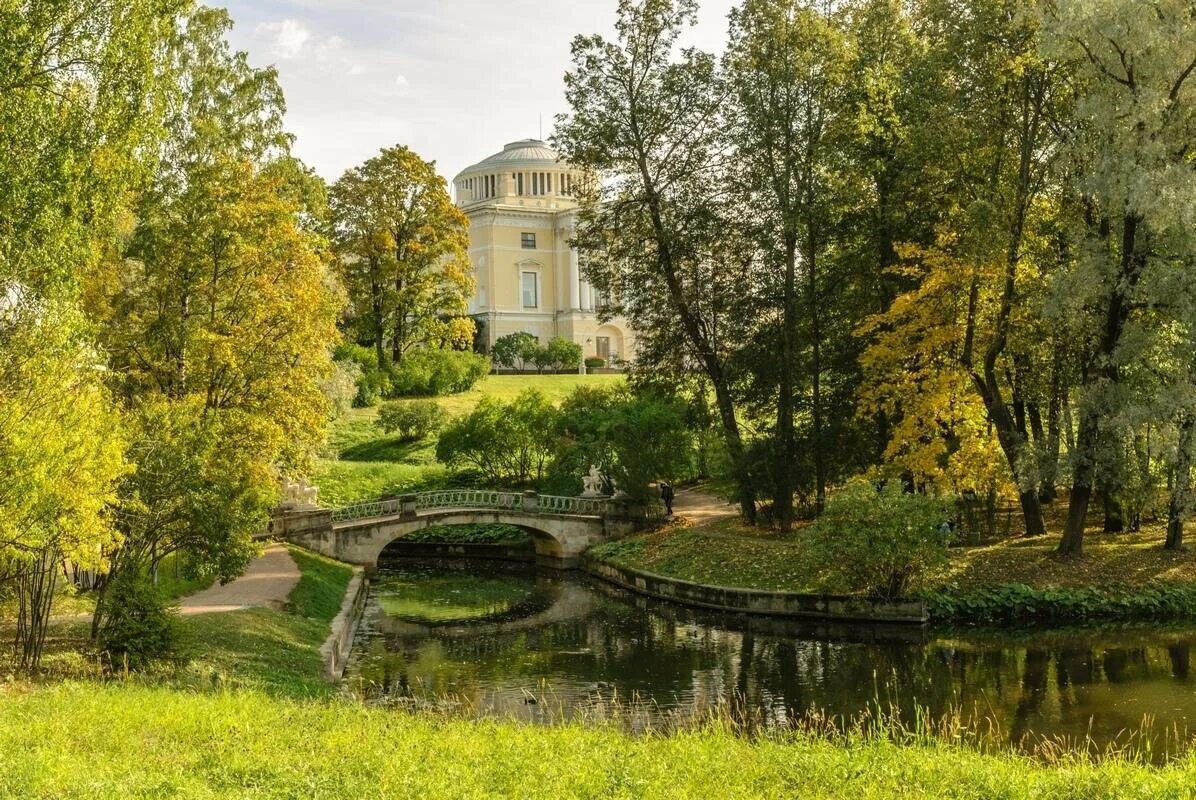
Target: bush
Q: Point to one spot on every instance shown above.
(342, 387)
(429, 373)
(373, 382)
(882, 541)
(512, 443)
(411, 420)
(515, 350)
(593, 362)
(560, 353)
(139, 625)
(1018, 604)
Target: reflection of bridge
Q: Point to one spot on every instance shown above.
(569, 602)
(561, 527)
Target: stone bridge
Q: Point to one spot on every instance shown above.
(560, 527)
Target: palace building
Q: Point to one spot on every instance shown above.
(521, 216)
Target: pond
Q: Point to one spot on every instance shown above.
(504, 640)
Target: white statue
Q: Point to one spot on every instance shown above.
(592, 483)
(297, 494)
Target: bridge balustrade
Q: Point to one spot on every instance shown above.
(529, 502)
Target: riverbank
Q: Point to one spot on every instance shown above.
(1016, 581)
(268, 649)
(251, 715)
(141, 742)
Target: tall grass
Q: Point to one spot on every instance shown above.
(77, 740)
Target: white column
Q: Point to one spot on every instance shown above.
(587, 296)
(574, 278)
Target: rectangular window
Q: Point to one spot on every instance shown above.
(528, 240)
(530, 292)
(548, 182)
(519, 183)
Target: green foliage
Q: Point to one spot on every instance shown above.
(401, 243)
(515, 350)
(882, 541)
(507, 443)
(593, 362)
(139, 627)
(486, 533)
(412, 419)
(246, 743)
(559, 354)
(1017, 603)
(321, 588)
(431, 372)
(342, 387)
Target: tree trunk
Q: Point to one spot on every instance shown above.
(1181, 484)
(816, 382)
(1087, 441)
(1049, 455)
(702, 345)
(35, 596)
(1114, 513)
(783, 496)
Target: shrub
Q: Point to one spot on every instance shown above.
(560, 353)
(341, 387)
(411, 420)
(510, 442)
(593, 362)
(372, 380)
(427, 373)
(139, 625)
(882, 541)
(633, 438)
(1016, 603)
(515, 350)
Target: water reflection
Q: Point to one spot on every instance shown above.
(543, 647)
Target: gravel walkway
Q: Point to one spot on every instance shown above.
(699, 508)
(268, 582)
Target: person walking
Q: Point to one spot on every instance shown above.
(667, 495)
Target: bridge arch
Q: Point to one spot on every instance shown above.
(561, 528)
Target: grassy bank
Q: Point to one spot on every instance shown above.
(362, 463)
(259, 648)
(1120, 577)
(143, 742)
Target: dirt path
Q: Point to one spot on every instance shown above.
(700, 508)
(268, 582)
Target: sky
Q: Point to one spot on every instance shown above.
(454, 80)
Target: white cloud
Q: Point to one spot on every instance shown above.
(452, 80)
(288, 37)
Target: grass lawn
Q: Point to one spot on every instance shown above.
(1126, 576)
(724, 553)
(361, 463)
(84, 740)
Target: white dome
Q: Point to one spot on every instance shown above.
(524, 153)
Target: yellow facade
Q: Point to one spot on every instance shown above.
(521, 215)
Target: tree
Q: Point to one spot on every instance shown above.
(787, 67)
(221, 320)
(402, 244)
(61, 454)
(646, 122)
(633, 438)
(990, 56)
(80, 109)
(1130, 162)
(515, 350)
